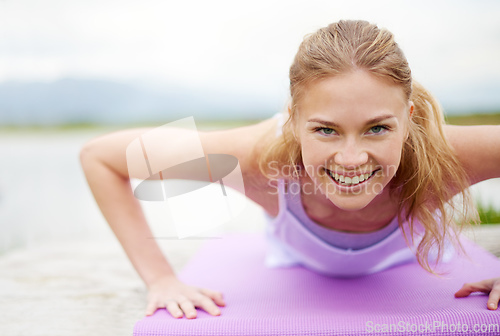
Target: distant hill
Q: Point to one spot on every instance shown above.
(98, 101)
(474, 97)
(70, 101)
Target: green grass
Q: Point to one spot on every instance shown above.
(202, 125)
(488, 214)
(474, 119)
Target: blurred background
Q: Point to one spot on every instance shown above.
(72, 70)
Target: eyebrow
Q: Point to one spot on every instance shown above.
(369, 122)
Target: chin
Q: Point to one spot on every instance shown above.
(350, 204)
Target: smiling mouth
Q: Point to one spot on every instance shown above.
(351, 181)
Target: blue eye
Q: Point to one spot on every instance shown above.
(325, 130)
(378, 129)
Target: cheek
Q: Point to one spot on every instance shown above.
(392, 158)
(314, 154)
(309, 154)
(312, 159)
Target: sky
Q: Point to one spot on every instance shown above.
(235, 46)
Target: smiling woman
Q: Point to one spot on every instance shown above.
(352, 79)
(373, 171)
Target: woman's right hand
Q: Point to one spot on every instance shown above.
(180, 299)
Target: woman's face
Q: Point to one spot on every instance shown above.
(351, 128)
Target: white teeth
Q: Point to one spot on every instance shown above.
(351, 180)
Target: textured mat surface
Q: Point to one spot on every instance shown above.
(295, 301)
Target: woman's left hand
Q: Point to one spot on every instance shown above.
(491, 286)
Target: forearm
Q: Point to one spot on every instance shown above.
(477, 148)
(124, 215)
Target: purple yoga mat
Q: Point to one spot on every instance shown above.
(404, 300)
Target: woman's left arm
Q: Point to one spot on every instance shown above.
(477, 148)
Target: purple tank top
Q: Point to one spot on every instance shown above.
(293, 242)
(340, 239)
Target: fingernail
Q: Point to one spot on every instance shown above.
(492, 305)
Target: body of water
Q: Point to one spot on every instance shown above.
(44, 196)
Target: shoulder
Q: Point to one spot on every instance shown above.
(125, 151)
(247, 144)
(477, 148)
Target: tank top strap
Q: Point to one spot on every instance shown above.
(282, 197)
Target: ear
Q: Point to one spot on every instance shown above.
(288, 108)
(287, 117)
(412, 107)
(294, 131)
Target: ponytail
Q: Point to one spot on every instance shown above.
(429, 177)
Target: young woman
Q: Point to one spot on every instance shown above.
(358, 173)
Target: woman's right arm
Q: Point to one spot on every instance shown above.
(105, 165)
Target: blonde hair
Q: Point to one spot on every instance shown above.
(429, 174)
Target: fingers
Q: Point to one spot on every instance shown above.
(468, 288)
(491, 286)
(188, 308)
(173, 308)
(151, 308)
(214, 295)
(494, 296)
(184, 306)
(207, 304)
(179, 305)
(171, 305)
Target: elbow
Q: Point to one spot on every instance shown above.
(88, 155)
(99, 158)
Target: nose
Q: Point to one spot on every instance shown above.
(351, 155)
